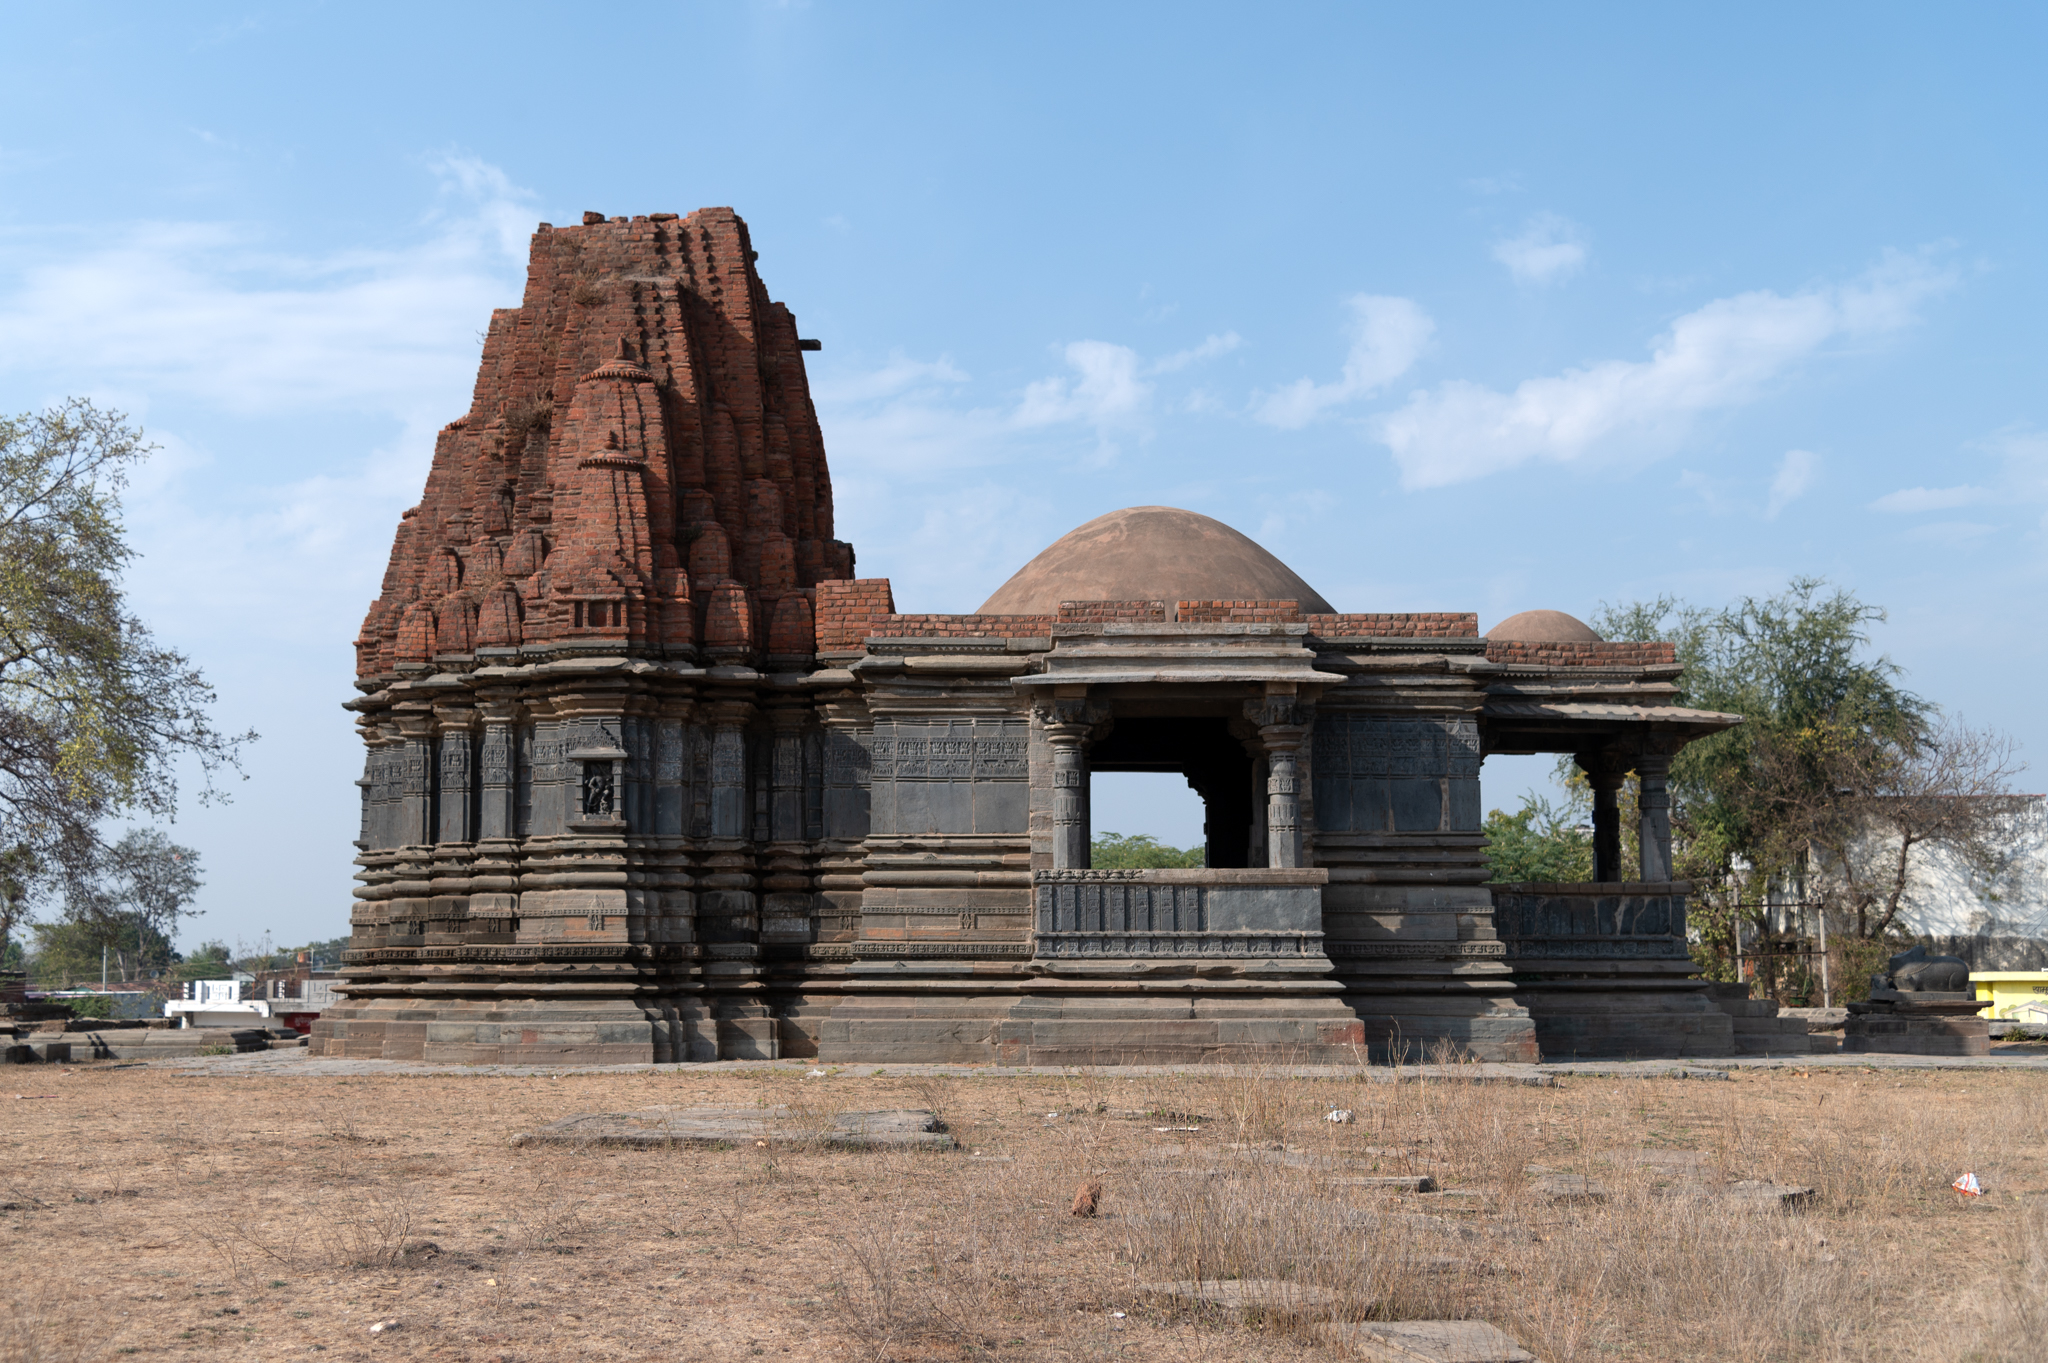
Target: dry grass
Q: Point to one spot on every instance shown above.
(251, 1217)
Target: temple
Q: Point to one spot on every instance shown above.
(651, 775)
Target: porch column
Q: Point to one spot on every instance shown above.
(1283, 725)
(1652, 770)
(1070, 850)
(1605, 777)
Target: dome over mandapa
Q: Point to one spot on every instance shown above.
(1543, 627)
(1152, 553)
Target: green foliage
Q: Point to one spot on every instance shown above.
(95, 715)
(67, 952)
(1794, 666)
(208, 961)
(1115, 852)
(96, 1006)
(1538, 842)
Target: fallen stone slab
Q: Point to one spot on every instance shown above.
(1764, 1193)
(1568, 1188)
(664, 1127)
(1427, 1341)
(1270, 1296)
(1398, 1183)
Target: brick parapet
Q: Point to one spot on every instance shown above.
(1087, 612)
(1393, 625)
(1210, 612)
(1617, 655)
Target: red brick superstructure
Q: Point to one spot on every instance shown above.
(640, 464)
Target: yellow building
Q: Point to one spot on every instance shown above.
(2014, 995)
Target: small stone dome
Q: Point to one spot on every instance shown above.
(1152, 553)
(1543, 627)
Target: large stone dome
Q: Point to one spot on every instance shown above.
(1152, 553)
(1543, 627)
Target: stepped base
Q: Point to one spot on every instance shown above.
(546, 1031)
(1091, 1029)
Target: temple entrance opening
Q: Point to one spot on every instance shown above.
(1213, 763)
(1156, 804)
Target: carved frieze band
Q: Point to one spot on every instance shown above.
(1360, 745)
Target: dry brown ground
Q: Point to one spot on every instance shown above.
(150, 1214)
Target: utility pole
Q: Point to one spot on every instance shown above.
(103, 967)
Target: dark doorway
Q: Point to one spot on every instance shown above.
(1214, 763)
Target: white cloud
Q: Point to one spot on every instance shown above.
(1722, 355)
(1951, 532)
(1796, 472)
(911, 416)
(899, 374)
(1207, 350)
(1387, 337)
(1548, 249)
(214, 311)
(1913, 499)
(1104, 390)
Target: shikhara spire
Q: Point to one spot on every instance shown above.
(640, 466)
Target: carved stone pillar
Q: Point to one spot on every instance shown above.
(1654, 827)
(497, 771)
(1070, 849)
(1283, 727)
(729, 802)
(787, 909)
(416, 806)
(848, 736)
(728, 907)
(456, 806)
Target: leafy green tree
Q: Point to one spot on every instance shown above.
(208, 961)
(69, 953)
(1838, 770)
(1141, 851)
(1538, 842)
(134, 892)
(95, 714)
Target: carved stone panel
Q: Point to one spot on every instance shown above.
(1374, 775)
(950, 776)
(847, 764)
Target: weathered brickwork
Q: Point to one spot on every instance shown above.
(845, 610)
(640, 462)
(1581, 655)
(961, 626)
(1427, 625)
(1270, 612)
(1074, 612)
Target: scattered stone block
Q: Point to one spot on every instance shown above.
(1568, 1188)
(1398, 1183)
(1766, 1194)
(663, 1127)
(1427, 1341)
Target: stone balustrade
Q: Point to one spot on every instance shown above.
(1207, 913)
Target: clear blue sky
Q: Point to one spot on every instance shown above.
(1453, 307)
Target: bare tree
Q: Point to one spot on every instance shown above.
(1885, 803)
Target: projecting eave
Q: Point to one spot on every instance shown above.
(1525, 726)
